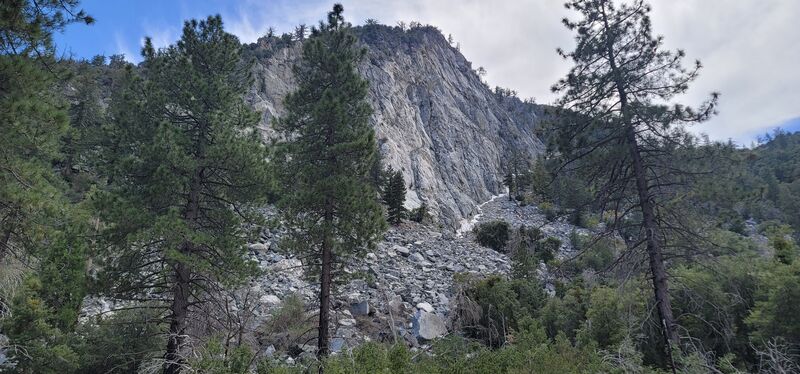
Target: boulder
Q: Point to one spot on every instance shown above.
(347, 322)
(258, 247)
(427, 326)
(360, 308)
(336, 344)
(270, 300)
(425, 306)
(416, 257)
(402, 250)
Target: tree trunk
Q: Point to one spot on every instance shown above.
(657, 268)
(177, 325)
(4, 242)
(324, 300)
(181, 289)
(649, 224)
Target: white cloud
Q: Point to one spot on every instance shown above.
(161, 36)
(253, 18)
(749, 47)
(122, 48)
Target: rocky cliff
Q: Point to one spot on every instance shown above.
(434, 119)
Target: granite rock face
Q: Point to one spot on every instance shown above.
(434, 119)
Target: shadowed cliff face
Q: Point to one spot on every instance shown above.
(433, 118)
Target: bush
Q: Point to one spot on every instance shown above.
(289, 325)
(597, 253)
(549, 210)
(419, 214)
(491, 308)
(493, 234)
(121, 342)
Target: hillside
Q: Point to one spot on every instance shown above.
(356, 199)
(435, 120)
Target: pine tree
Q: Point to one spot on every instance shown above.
(394, 196)
(37, 223)
(187, 169)
(617, 123)
(32, 120)
(329, 198)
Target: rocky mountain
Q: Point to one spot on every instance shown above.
(435, 120)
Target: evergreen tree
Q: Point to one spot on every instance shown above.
(37, 224)
(32, 120)
(329, 198)
(394, 196)
(618, 123)
(187, 169)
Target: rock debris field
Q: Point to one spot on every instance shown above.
(405, 288)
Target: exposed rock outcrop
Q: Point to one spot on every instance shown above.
(434, 119)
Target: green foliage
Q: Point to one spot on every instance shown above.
(528, 247)
(325, 166)
(714, 301)
(596, 253)
(419, 214)
(777, 309)
(493, 234)
(121, 342)
(394, 196)
(503, 304)
(457, 355)
(785, 250)
(565, 314)
(216, 358)
(604, 323)
(164, 168)
(372, 358)
(288, 325)
(187, 170)
(37, 344)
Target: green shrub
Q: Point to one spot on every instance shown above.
(777, 310)
(419, 214)
(493, 234)
(597, 254)
(214, 358)
(785, 250)
(289, 325)
(122, 341)
(604, 320)
(498, 305)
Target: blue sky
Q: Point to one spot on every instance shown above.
(748, 47)
(122, 24)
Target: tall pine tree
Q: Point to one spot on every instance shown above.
(394, 196)
(187, 169)
(619, 129)
(329, 198)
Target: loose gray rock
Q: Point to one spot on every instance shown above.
(403, 251)
(360, 308)
(416, 257)
(347, 322)
(426, 307)
(427, 326)
(258, 247)
(270, 300)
